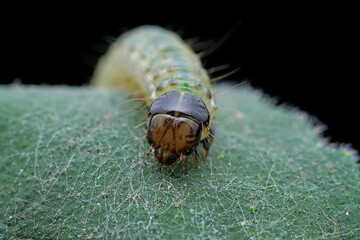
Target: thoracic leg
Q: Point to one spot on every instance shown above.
(196, 155)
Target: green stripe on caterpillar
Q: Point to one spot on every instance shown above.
(176, 87)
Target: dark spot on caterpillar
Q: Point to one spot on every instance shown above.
(156, 76)
(198, 85)
(159, 87)
(208, 93)
(172, 82)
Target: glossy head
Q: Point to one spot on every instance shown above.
(176, 122)
(172, 137)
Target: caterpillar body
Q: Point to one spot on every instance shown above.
(176, 87)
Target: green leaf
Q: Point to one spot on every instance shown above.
(72, 166)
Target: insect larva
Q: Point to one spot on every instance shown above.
(176, 86)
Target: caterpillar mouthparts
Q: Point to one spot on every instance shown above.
(176, 120)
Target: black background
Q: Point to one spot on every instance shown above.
(304, 56)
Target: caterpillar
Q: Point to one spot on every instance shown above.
(175, 85)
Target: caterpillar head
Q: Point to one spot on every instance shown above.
(176, 125)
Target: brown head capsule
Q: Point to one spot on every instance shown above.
(176, 123)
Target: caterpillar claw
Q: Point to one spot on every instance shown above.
(151, 150)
